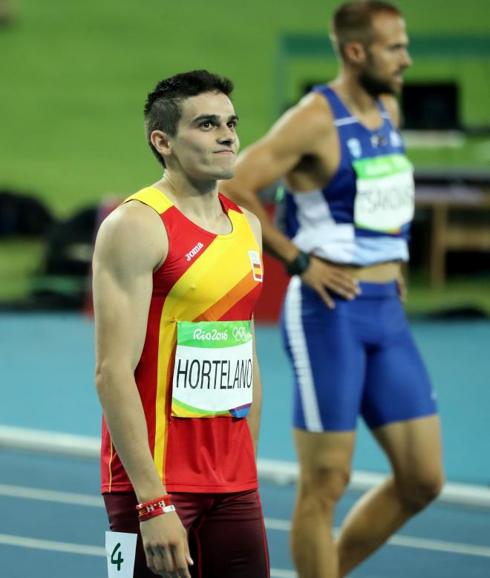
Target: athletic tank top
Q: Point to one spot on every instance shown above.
(207, 282)
(362, 216)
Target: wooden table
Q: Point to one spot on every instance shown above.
(445, 202)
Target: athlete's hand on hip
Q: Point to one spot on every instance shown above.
(322, 277)
(166, 546)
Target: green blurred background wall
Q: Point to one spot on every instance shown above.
(74, 75)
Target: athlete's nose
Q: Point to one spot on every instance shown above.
(227, 137)
(406, 59)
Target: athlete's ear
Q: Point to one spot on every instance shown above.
(355, 52)
(161, 141)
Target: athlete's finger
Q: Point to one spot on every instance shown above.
(180, 563)
(329, 302)
(340, 290)
(161, 562)
(334, 284)
(190, 561)
(345, 282)
(149, 560)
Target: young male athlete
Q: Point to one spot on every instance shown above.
(177, 272)
(349, 204)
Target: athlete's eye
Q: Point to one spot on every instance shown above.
(232, 124)
(206, 125)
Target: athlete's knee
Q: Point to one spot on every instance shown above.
(420, 488)
(323, 485)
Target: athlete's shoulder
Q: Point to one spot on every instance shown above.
(312, 112)
(392, 108)
(130, 217)
(304, 126)
(132, 232)
(153, 197)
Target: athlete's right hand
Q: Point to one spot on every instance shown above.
(166, 546)
(322, 276)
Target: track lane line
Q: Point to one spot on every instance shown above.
(270, 523)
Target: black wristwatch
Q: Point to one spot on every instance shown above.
(299, 264)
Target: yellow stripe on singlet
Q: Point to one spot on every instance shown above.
(216, 311)
(153, 198)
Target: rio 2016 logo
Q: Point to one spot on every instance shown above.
(211, 335)
(240, 334)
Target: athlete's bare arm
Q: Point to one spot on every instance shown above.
(254, 414)
(301, 132)
(296, 134)
(130, 245)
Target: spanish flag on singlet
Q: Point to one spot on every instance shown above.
(206, 277)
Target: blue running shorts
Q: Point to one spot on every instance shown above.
(356, 359)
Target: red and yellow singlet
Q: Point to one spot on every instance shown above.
(206, 277)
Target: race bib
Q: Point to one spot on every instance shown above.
(213, 372)
(120, 550)
(385, 193)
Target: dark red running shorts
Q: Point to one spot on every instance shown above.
(226, 532)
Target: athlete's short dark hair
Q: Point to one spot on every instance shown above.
(352, 21)
(163, 105)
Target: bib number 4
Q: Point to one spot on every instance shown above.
(116, 557)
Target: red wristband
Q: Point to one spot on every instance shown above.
(162, 501)
(142, 517)
(156, 507)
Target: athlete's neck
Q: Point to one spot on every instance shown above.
(197, 199)
(355, 97)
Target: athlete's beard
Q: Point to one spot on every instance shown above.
(374, 86)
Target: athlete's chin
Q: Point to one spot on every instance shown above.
(396, 86)
(215, 173)
(225, 171)
(227, 174)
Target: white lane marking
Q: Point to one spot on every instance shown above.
(276, 524)
(277, 573)
(406, 541)
(440, 546)
(276, 471)
(51, 496)
(281, 472)
(271, 523)
(81, 549)
(37, 544)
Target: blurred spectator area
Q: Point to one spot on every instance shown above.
(6, 13)
(452, 216)
(450, 236)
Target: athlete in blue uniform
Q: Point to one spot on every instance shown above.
(349, 204)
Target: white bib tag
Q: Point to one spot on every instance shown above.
(120, 549)
(213, 371)
(385, 195)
